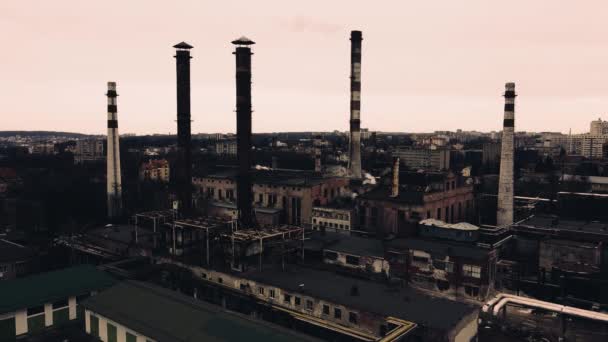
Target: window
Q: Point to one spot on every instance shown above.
(331, 255)
(447, 214)
(325, 309)
(471, 271)
(7, 329)
(297, 301)
(112, 335)
(261, 198)
(261, 290)
(271, 292)
(374, 216)
(439, 213)
(220, 280)
(287, 298)
(94, 325)
(428, 214)
(243, 287)
(131, 337)
(352, 260)
(447, 186)
(420, 259)
(352, 317)
(204, 275)
(471, 290)
(337, 313)
(230, 194)
(219, 194)
(309, 304)
(453, 185)
(60, 304)
(35, 310)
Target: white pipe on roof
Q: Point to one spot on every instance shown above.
(503, 299)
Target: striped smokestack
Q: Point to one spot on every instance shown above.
(355, 105)
(183, 175)
(114, 186)
(504, 215)
(243, 130)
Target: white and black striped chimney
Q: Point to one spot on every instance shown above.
(114, 184)
(504, 214)
(355, 105)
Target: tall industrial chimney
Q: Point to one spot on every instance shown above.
(355, 105)
(395, 180)
(243, 130)
(504, 215)
(183, 174)
(114, 185)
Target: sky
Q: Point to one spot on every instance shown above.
(426, 65)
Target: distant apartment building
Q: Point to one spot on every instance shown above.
(156, 170)
(598, 127)
(491, 153)
(42, 148)
(226, 147)
(88, 150)
(432, 159)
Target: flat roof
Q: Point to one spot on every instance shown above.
(554, 223)
(169, 316)
(441, 247)
(51, 286)
(405, 303)
(358, 246)
(279, 177)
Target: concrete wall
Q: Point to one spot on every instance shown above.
(21, 326)
(121, 331)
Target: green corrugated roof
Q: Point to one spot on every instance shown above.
(51, 286)
(168, 316)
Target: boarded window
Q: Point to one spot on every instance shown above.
(131, 337)
(94, 325)
(352, 260)
(331, 255)
(112, 334)
(471, 271)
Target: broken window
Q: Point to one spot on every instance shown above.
(325, 309)
(309, 304)
(472, 291)
(337, 313)
(420, 259)
(471, 271)
(443, 285)
(331, 255)
(352, 317)
(352, 260)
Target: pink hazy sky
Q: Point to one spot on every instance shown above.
(427, 65)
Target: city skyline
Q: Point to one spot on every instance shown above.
(426, 67)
